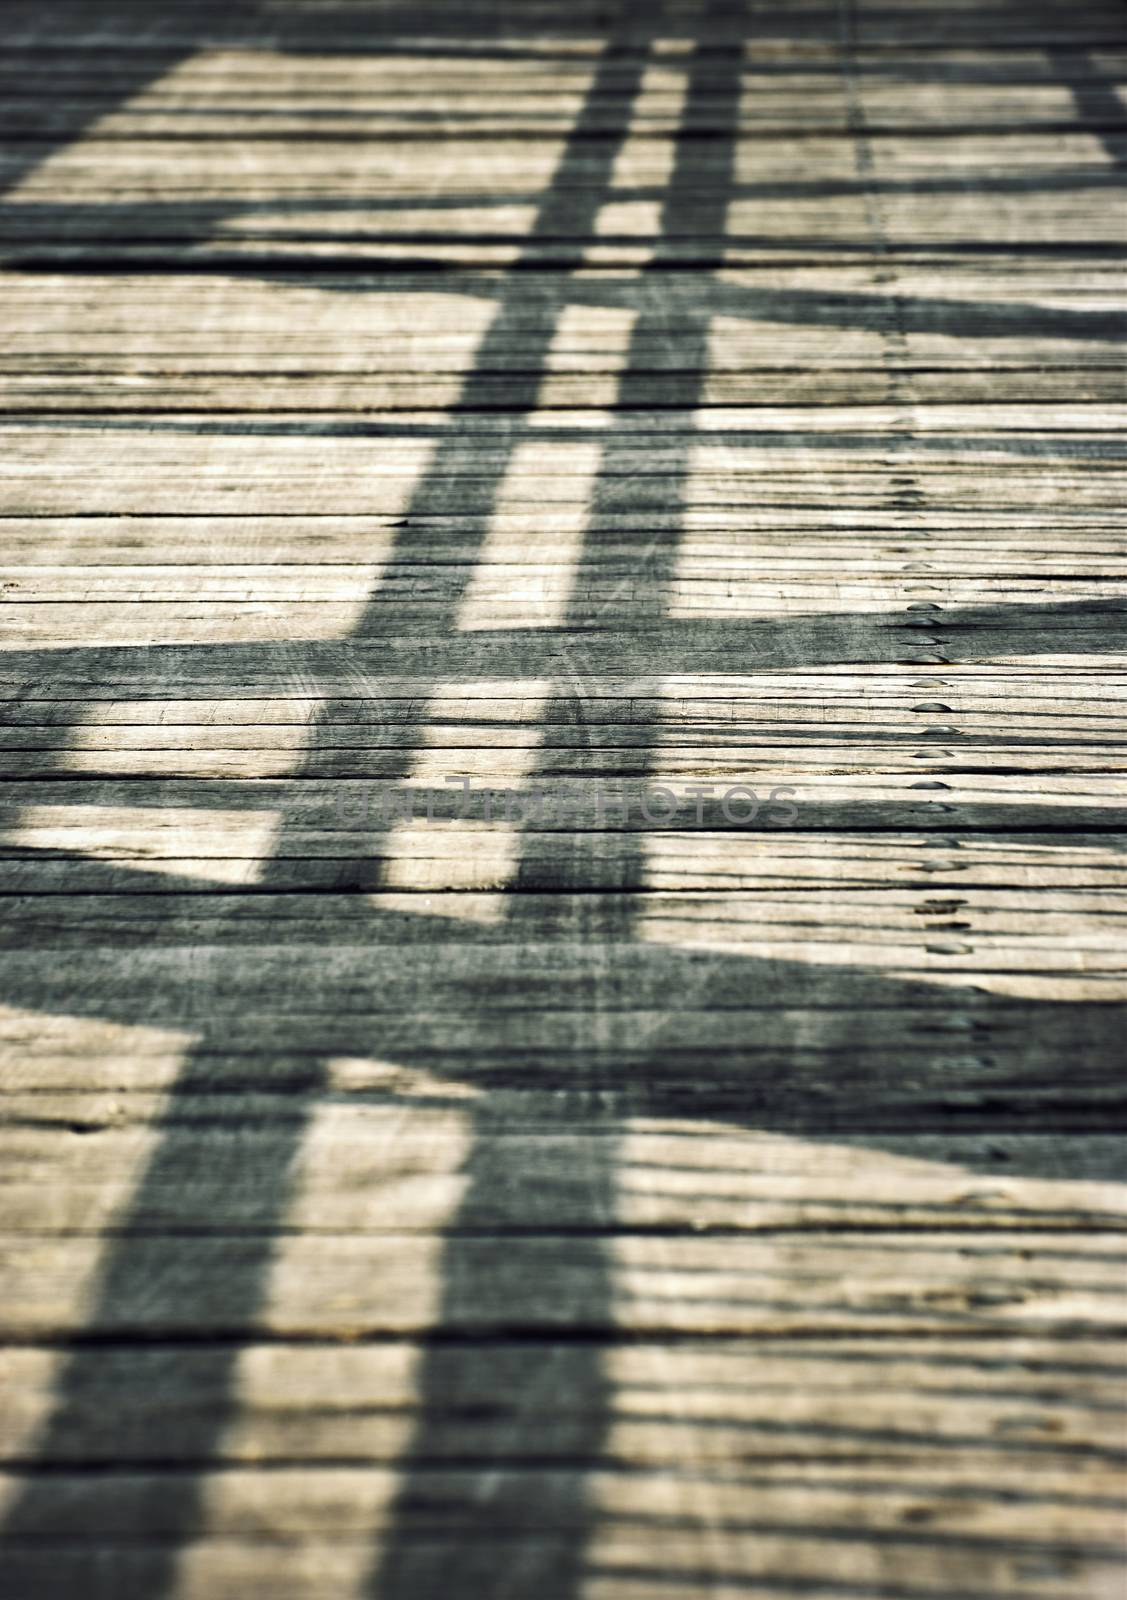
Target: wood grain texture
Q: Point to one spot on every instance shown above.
(409, 1195)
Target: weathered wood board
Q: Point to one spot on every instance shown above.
(411, 1192)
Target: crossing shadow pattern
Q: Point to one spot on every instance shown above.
(570, 937)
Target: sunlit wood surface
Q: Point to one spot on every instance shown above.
(573, 1208)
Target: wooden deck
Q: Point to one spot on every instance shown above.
(571, 1206)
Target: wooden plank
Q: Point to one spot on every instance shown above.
(857, 1411)
(626, 1562)
(325, 1285)
(373, 1170)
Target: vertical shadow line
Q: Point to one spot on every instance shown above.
(553, 1508)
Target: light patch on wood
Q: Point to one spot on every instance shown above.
(505, 600)
(815, 902)
(31, 1036)
(200, 79)
(402, 1084)
(593, 341)
(456, 739)
(1012, 791)
(644, 158)
(1085, 959)
(768, 860)
(638, 219)
(100, 733)
(219, 846)
(484, 855)
(495, 699)
(42, 1042)
(734, 1176)
(372, 1167)
(444, 221)
(182, 471)
(186, 622)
